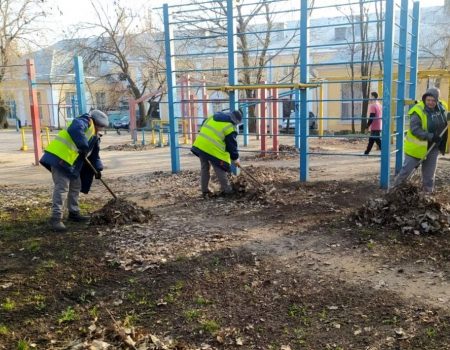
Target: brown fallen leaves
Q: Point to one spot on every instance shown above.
(407, 208)
(120, 212)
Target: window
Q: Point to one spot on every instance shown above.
(100, 100)
(69, 98)
(346, 104)
(340, 33)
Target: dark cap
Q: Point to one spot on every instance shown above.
(236, 117)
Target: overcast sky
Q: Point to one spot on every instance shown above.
(66, 13)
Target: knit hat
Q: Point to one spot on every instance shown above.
(100, 119)
(433, 92)
(236, 117)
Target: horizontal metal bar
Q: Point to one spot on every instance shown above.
(271, 49)
(271, 31)
(197, 21)
(339, 5)
(341, 63)
(346, 81)
(200, 54)
(344, 24)
(199, 37)
(346, 43)
(200, 70)
(258, 67)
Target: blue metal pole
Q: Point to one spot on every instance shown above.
(79, 81)
(171, 91)
(297, 118)
(232, 56)
(304, 130)
(414, 50)
(245, 120)
(387, 98)
(400, 121)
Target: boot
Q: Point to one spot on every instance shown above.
(57, 225)
(75, 216)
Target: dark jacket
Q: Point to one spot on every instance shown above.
(436, 123)
(77, 131)
(231, 145)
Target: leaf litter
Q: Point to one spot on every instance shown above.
(407, 208)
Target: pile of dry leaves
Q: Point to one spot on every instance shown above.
(407, 208)
(120, 212)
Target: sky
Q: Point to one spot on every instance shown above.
(67, 13)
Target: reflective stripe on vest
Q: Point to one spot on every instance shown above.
(63, 146)
(413, 146)
(211, 138)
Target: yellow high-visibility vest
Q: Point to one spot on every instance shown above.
(413, 146)
(211, 138)
(63, 146)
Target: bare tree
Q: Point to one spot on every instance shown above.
(18, 20)
(362, 45)
(127, 45)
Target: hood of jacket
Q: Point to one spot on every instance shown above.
(222, 117)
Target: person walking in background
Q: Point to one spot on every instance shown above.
(375, 122)
(216, 145)
(427, 133)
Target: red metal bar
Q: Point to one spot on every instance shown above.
(263, 126)
(132, 111)
(193, 119)
(275, 120)
(34, 108)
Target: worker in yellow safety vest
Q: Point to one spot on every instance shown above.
(427, 134)
(64, 158)
(216, 145)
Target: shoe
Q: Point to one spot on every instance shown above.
(206, 195)
(226, 193)
(75, 216)
(57, 225)
(366, 153)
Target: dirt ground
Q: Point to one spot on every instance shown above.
(289, 270)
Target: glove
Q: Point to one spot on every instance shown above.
(98, 175)
(237, 163)
(436, 139)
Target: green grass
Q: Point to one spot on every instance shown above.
(4, 330)
(68, 315)
(8, 305)
(22, 345)
(202, 301)
(210, 326)
(192, 315)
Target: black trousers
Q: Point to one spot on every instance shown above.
(374, 137)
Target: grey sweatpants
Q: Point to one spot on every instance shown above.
(221, 174)
(64, 187)
(428, 170)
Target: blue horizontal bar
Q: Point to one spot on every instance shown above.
(341, 63)
(347, 4)
(200, 70)
(270, 49)
(344, 24)
(272, 31)
(197, 21)
(346, 43)
(201, 54)
(323, 82)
